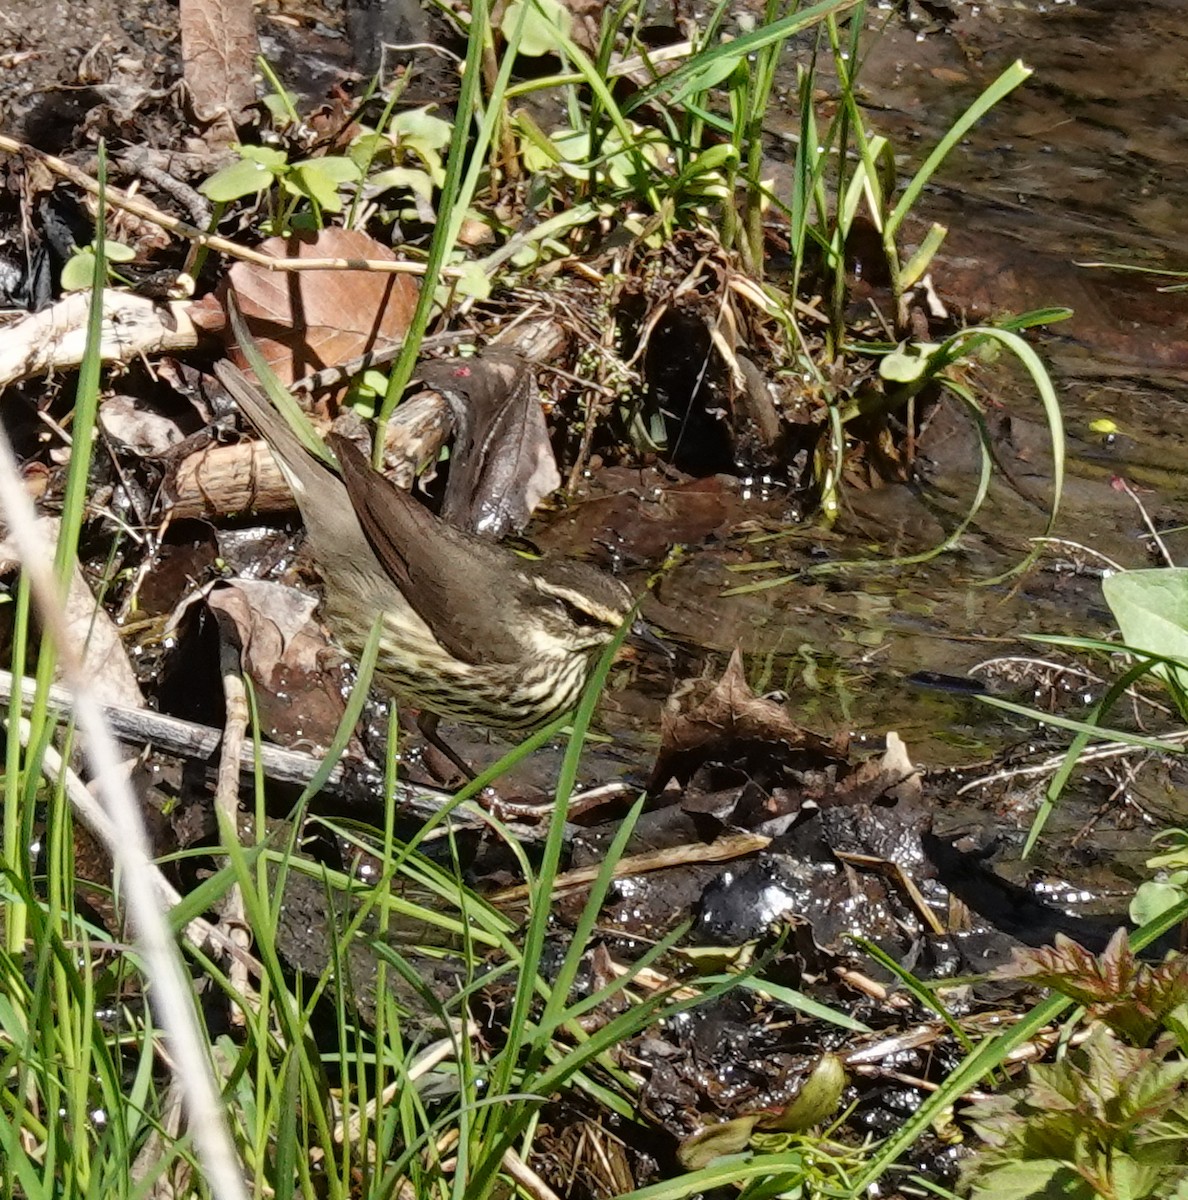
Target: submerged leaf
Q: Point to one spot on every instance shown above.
(714, 1141)
(816, 1101)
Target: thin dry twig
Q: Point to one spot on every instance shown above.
(723, 849)
(1102, 753)
(526, 1178)
(1151, 529)
(149, 212)
(233, 915)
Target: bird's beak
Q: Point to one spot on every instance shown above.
(642, 636)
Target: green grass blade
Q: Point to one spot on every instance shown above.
(1006, 83)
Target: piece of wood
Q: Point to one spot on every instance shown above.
(56, 338)
(223, 481)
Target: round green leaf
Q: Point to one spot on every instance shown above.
(1155, 897)
(78, 273)
(546, 25)
(237, 179)
(908, 363)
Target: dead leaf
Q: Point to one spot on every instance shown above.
(730, 723)
(893, 776)
(305, 321)
(219, 49)
(285, 652)
(128, 420)
(502, 465)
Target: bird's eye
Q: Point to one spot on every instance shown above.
(579, 616)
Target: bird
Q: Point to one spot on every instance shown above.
(471, 630)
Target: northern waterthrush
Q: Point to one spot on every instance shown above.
(471, 630)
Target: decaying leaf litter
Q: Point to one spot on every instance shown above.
(612, 339)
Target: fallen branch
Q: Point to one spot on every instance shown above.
(200, 742)
(56, 338)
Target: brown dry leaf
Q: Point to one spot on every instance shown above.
(333, 126)
(587, 17)
(503, 461)
(219, 49)
(729, 720)
(284, 651)
(143, 431)
(893, 775)
(208, 314)
(305, 321)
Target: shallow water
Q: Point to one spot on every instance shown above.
(1086, 162)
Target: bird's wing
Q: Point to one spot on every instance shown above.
(451, 578)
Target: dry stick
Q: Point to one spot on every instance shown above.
(233, 915)
(427, 1060)
(723, 849)
(528, 1180)
(1151, 529)
(187, 739)
(170, 988)
(1102, 753)
(164, 1131)
(149, 212)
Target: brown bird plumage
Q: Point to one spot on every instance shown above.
(471, 630)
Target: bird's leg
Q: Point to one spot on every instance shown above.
(427, 723)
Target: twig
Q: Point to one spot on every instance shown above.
(149, 212)
(723, 849)
(1101, 753)
(1163, 550)
(527, 1179)
(189, 740)
(233, 914)
(57, 336)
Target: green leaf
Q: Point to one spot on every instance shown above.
(473, 281)
(1035, 1179)
(405, 178)
(1175, 858)
(367, 147)
(714, 1141)
(275, 160)
(1155, 897)
(922, 259)
(546, 26)
(713, 159)
(79, 270)
(1037, 316)
(319, 179)
(908, 363)
(816, 1101)
(278, 110)
(420, 128)
(562, 147)
(118, 252)
(714, 72)
(1151, 608)
(246, 177)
